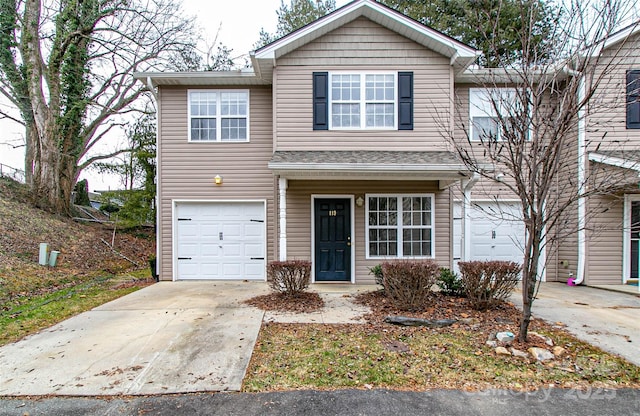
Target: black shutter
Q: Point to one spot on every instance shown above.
(405, 100)
(633, 99)
(321, 101)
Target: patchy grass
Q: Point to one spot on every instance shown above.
(304, 356)
(31, 314)
(89, 271)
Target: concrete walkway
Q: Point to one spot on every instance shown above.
(172, 337)
(605, 318)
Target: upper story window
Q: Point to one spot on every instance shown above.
(486, 107)
(633, 99)
(400, 226)
(362, 100)
(218, 116)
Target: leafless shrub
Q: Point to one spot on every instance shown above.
(408, 283)
(289, 277)
(487, 283)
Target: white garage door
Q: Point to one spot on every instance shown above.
(497, 233)
(220, 240)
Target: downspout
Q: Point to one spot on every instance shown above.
(466, 224)
(158, 264)
(582, 202)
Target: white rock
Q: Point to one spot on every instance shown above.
(492, 344)
(541, 354)
(518, 353)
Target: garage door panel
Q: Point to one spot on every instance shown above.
(198, 237)
(253, 271)
(232, 231)
(253, 230)
(253, 250)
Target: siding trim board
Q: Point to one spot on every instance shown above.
(626, 236)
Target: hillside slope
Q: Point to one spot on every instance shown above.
(84, 248)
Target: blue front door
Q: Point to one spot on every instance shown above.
(332, 240)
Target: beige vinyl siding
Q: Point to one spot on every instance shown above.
(604, 240)
(361, 46)
(187, 170)
(607, 109)
(299, 220)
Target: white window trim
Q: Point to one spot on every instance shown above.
(400, 227)
(626, 236)
(218, 116)
(363, 101)
(481, 107)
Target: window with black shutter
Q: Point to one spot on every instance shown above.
(633, 99)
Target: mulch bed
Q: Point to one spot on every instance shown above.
(504, 317)
(303, 302)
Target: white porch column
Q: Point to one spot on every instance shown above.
(282, 188)
(466, 221)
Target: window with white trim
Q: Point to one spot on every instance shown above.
(363, 101)
(218, 115)
(400, 226)
(486, 107)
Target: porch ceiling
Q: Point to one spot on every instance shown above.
(369, 165)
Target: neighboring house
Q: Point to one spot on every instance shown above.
(330, 149)
(607, 250)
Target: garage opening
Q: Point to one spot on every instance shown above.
(220, 240)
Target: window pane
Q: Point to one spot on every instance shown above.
(233, 129)
(373, 203)
(203, 129)
(380, 115)
(373, 218)
(345, 87)
(345, 115)
(233, 103)
(485, 128)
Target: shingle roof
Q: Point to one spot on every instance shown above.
(365, 158)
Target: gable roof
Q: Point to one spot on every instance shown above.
(616, 37)
(461, 55)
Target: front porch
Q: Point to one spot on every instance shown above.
(347, 211)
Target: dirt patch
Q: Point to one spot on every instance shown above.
(304, 302)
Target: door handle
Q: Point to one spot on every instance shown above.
(349, 241)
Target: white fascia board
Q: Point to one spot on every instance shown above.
(614, 161)
(244, 76)
(615, 38)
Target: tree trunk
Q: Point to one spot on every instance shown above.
(529, 276)
(54, 174)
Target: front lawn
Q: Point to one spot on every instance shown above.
(381, 355)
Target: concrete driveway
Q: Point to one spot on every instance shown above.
(604, 318)
(172, 337)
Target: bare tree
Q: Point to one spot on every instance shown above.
(67, 66)
(529, 135)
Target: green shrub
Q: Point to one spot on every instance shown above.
(408, 283)
(289, 277)
(450, 283)
(376, 271)
(488, 283)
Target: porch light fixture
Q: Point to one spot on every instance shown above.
(218, 180)
(359, 202)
